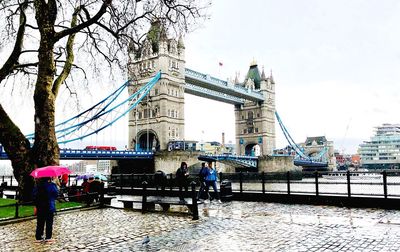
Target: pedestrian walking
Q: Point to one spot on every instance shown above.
(211, 180)
(45, 193)
(182, 175)
(202, 179)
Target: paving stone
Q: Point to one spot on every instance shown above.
(234, 226)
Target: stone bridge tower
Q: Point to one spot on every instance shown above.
(159, 118)
(255, 121)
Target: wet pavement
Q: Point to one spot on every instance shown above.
(233, 226)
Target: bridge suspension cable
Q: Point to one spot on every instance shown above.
(299, 151)
(101, 115)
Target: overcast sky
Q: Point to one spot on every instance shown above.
(336, 65)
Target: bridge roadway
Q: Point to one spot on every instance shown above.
(76, 154)
(233, 226)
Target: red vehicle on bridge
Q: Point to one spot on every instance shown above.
(95, 147)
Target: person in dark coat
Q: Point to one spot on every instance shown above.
(182, 175)
(94, 189)
(202, 179)
(45, 193)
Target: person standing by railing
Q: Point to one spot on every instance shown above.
(211, 180)
(202, 179)
(182, 175)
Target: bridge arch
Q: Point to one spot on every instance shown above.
(147, 140)
(253, 149)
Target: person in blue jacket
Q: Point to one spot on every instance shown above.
(211, 180)
(45, 193)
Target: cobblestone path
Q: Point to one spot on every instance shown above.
(235, 226)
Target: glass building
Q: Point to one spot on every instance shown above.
(383, 150)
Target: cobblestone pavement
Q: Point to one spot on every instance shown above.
(234, 226)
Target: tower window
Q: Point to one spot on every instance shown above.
(250, 115)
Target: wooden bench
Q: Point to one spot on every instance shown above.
(150, 205)
(107, 199)
(9, 196)
(166, 204)
(129, 203)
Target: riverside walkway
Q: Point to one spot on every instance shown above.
(230, 226)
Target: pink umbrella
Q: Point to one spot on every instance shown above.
(50, 171)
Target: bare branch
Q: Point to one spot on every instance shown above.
(14, 56)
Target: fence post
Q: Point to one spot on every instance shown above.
(195, 209)
(16, 209)
(384, 183)
(11, 179)
(170, 181)
(316, 184)
(120, 183)
(16, 204)
(144, 198)
(348, 184)
(241, 181)
(263, 182)
(101, 195)
(288, 182)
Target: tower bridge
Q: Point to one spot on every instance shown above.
(156, 107)
(159, 119)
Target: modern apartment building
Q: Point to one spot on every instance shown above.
(383, 149)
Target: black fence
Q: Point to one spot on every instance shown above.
(27, 209)
(384, 184)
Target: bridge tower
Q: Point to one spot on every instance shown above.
(159, 118)
(255, 121)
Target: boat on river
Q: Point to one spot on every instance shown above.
(353, 176)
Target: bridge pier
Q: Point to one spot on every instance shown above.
(276, 164)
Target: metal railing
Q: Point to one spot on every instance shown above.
(384, 184)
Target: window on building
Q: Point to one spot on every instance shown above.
(245, 131)
(250, 115)
(256, 130)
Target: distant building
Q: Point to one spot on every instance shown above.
(383, 149)
(313, 146)
(93, 166)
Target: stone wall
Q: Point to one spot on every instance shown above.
(276, 164)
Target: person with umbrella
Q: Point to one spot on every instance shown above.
(45, 194)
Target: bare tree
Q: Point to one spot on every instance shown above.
(45, 37)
